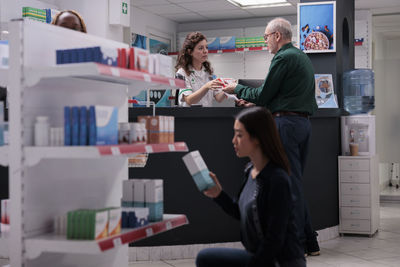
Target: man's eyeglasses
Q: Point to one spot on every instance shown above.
(266, 36)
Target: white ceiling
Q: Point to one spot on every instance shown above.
(183, 11)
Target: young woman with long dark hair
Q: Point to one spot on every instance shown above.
(265, 202)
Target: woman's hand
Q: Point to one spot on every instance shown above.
(214, 84)
(213, 192)
(230, 88)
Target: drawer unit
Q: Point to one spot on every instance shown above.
(355, 177)
(355, 201)
(355, 189)
(358, 194)
(356, 226)
(355, 213)
(354, 164)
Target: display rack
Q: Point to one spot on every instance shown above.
(59, 244)
(4, 245)
(3, 77)
(100, 72)
(243, 49)
(3, 155)
(33, 155)
(46, 182)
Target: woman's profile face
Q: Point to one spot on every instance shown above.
(243, 143)
(200, 52)
(70, 21)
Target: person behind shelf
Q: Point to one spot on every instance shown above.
(70, 19)
(289, 92)
(193, 66)
(265, 203)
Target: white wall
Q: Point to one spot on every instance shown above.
(387, 97)
(145, 23)
(95, 15)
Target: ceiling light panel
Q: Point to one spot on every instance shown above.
(258, 3)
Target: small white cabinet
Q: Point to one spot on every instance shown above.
(358, 194)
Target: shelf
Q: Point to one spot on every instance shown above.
(4, 251)
(34, 155)
(59, 244)
(3, 77)
(243, 49)
(4, 155)
(100, 72)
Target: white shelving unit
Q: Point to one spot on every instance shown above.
(59, 244)
(3, 77)
(4, 246)
(49, 181)
(4, 155)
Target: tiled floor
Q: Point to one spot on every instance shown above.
(382, 250)
(349, 251)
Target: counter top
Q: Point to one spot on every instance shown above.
(200, 112)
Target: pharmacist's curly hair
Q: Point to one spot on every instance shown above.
(184, 57)
(83, 25)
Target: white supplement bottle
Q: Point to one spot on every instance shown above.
(42, 130)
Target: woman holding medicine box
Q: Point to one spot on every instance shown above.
(193, 65)
(265, 202)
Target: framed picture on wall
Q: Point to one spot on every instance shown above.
(324, 92)
(316, 22)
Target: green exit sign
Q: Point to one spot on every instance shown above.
(124, 8)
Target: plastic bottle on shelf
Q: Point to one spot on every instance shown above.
(42, 129)
(358, 91)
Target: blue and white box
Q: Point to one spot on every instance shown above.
(106, 125)
(134, 217)
(227, 42)
(213, 43)
(4, 54)
(154, 198)
(198, 169)
(67, 126)
(75, 126)
(107, 55)
(83, 126)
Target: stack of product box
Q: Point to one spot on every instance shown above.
(34, 13)
(133, 58)
(160, 129)
(244, 42)
(96, 125)
(43, 15)
(93, 224)
(144, 193)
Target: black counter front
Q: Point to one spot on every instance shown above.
(210, 130)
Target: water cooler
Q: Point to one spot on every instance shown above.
(358, 129)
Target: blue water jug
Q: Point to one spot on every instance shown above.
(358, 91)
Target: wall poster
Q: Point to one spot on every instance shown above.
(316, 22)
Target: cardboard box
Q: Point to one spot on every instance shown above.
(106, 125)
(139, 59)
(213, 43)
(198, 169)
(227, 42)
(154, 198)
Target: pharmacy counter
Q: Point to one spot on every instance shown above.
(209, 130)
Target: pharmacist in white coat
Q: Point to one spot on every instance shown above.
(193, 65)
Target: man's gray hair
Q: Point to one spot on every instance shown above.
(281, 25)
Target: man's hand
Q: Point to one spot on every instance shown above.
(244, 103)
(230, 88)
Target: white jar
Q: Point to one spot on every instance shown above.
(42, 130)
(124, 129)
(143, 131)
